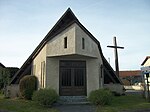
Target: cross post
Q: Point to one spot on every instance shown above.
(116, 55)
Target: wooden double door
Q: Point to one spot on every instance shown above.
(72, 81)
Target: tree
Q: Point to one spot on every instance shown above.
(5, 75)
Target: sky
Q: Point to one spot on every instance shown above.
(24, 23)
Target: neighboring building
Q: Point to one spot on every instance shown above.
(70, 60)
(6, 73)
(146, 61)
(2, 69)
(146, 70)
(1, 65)
(11, 71)
(130, 77)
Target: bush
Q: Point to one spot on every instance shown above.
(45, 97)
(116, 93)
(27, 85)
(101, 97)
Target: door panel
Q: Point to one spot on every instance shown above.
(79, 77)
(66, 77)
(65, 81)
(72, 78)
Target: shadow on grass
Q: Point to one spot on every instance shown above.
(128, 102)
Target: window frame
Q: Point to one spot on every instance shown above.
(83, 43)
(65, 42)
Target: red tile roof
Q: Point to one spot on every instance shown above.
(130, 73)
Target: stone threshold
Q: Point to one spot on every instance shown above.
(73, 100)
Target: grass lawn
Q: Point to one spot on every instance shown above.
(19, 105)
(128, 102)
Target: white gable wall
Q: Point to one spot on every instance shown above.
(54, 51)
(91, 48)
(147, 63)
(55, 47)
(74, 51)
(74, 34)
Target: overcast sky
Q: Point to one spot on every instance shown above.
(24, 23)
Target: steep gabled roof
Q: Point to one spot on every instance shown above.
(147, 57)
(65, 21)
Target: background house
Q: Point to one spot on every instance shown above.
(146, 70)
(6, 74)
(146, 61)
(130, 77)
(2, 70)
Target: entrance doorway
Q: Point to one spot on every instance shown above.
(72, 78)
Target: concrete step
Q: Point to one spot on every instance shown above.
(73, 100)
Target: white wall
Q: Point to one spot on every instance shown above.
(147, 63)
(55, 47)
(41, 57)
(74, 51)
(52, 73)
(92, 72)
(91, 48)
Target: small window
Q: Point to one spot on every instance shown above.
(65, 42)
(83, 43)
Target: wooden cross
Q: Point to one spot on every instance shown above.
(116, 55)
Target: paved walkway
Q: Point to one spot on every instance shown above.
(76, 108)
(4, 111)
(84, 108)
(134, 92)
(87, 108)
(140, 110)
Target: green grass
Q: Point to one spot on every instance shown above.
(19, 105)
(129, 102)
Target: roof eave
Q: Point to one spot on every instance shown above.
(147, 57)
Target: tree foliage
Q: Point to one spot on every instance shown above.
(5, 75)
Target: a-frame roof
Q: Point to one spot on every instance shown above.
(67, 19)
